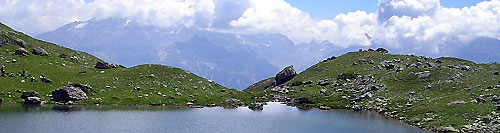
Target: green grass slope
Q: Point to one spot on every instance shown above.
(170, 86)
(405, 92)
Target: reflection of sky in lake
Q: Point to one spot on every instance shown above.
(274, 118)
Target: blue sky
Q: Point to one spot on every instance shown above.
(327, 9)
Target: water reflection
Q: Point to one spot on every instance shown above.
(274, 118)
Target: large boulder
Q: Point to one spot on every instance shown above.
(103, 65)
(25, 95)
(33, 100)
(21, 43)
(68, 93)
(21, 52)
(40, 51)
(285, 75)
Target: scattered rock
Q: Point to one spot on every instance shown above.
(45, 79)
(68, 93)
(231, 100)
(103, 65)
(465, 68)
(423, 75)
(356, 108)
(456, 102)
(40, 51)
(382, 50)
(285, 75)
(323, 83)
(21, 43)
(446, 129)
(345, 76)
(21, 52)
(324, 108)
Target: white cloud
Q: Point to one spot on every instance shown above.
(35, 16)
(413, 25)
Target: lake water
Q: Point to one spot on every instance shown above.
(275, 117)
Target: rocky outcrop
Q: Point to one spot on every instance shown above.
(103, 65)
(382, 50)
(84, 88)
(40, 51)
(21, 43)
(21, 52)
(285, 75)
(68, 93)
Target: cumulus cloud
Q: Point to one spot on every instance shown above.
(413, 25)
(35, 16)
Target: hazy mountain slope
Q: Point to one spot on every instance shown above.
(126, 42)
(143, 84)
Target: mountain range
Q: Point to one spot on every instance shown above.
(233, 60)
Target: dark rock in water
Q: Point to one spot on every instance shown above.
(496, 73)
(21, 52)
(382, 50)
(68, 93)
(456, 102)
(33, 100)
(256, 106)
(25, 95)
(356, 108)
(21, 43)
(285, 75)
(40, 51)
(103, 65)
(446, 130)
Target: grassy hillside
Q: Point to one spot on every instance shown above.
(143, 84)
(418, 90)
